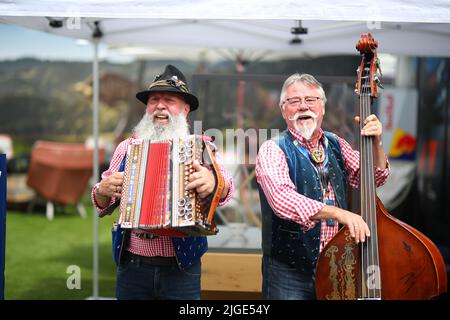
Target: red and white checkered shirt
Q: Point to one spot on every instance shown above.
(272, 174)
(161, 245)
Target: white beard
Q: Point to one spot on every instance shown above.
(177, 127)
(303, 130)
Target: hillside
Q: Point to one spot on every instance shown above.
(40, 100)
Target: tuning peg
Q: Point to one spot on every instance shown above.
(378, 82)
(377, 63)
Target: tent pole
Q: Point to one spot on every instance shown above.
(95, 104)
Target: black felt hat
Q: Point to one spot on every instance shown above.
(172, 80)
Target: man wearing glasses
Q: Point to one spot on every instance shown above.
(303, 175)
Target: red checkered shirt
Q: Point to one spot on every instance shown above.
(162, 245)
(272, 174)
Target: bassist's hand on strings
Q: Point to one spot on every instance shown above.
(373, 128)
(358, 228)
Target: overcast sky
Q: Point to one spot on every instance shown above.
(18, 42)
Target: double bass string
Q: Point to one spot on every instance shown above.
(373, 211)
(363, 183)
(367, 172)
(365, 252)
(369, 258)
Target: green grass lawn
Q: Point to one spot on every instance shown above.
(39, 251)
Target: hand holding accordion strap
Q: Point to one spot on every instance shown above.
(219, 183)
(112, 206)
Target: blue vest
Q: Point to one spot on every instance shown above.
(283, 239)
(188, 250)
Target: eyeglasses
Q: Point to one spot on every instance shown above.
(296, 101)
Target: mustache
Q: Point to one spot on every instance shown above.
(147, 129)
(300, 114)
(160, 113)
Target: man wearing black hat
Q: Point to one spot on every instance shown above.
(153, 266)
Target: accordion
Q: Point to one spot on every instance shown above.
(154, 195)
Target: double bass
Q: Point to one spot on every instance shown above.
(397, 262)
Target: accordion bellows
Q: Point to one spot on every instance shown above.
(154, 195)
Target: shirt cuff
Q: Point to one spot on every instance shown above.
(97, 206)
(381, 175)
(229, 194)
(316, 207)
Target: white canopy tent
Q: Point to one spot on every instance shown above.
(381, 10)
(405, 27)
(270, 36)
